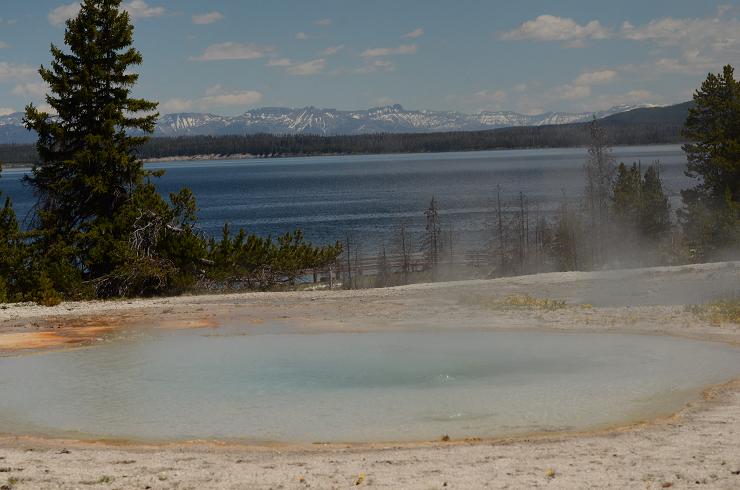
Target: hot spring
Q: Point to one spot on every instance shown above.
(353, 387)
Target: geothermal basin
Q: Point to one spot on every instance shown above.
(285, 387)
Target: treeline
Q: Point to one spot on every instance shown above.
(623, 219)
(267, 145)
(629, 225)
(100, 228)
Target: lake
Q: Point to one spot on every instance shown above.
(369, 196)
(273, 386)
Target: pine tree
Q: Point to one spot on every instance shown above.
(20, 278)
(712, 214)
(627, 194)
(654, 221)
(99, 216)
(88, 169)
(9, 242)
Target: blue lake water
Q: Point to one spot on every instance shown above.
(341, 387)
(369, 196)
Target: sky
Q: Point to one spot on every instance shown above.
(529, 56)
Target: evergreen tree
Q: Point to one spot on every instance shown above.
(712, 214)
(21, 279)
(88, 169)
(641, 209)
(654, 222)
(9, 246)
(627, 194)
(95, 199)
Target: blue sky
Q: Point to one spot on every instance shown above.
(227, 56)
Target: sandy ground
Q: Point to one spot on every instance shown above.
(699, 447)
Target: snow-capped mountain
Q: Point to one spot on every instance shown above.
(311, 120)
(13, 131)
(387, 119)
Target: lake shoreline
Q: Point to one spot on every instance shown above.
(649, 301)
(249, 156)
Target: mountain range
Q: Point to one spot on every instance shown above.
(312, 120)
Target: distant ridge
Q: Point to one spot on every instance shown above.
(642, 126)
(674, 115)
(328, 122)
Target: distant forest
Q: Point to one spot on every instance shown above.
(623, 131)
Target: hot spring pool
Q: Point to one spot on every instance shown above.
(341, 387)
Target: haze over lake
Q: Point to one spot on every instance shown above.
(370, 195)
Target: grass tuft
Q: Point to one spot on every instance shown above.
(718, 312)
(518, 302)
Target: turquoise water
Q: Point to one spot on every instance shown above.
(337, 387)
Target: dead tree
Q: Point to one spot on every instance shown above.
(348, 249)
(500, 219)
(403, 246)
(599, 171)
(383, 270)
(431, 245)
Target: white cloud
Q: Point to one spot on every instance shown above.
(233, 51)
(30, 89)
(332, 50)
(692, 45)
(686, 64)
(377, 52)
(208, 18)
(279, 62)
(176, 105)
(488, 96)
(3, 45)
(384, 101)
(13, 72)
(581, 87)
(418, 32)
(215, 89)
(139, 9)
(300, 68)
(301, 36)
(671, 31)
(483, 100)
(4, 111)
(572, 92)
(215, 97)
(323, 22)
(553, 28)
(311, 67)
(633, 97)
(60, 14)
(714, 34)
(44, 107)
(240, 98)
(595, 77)
(375, 65)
